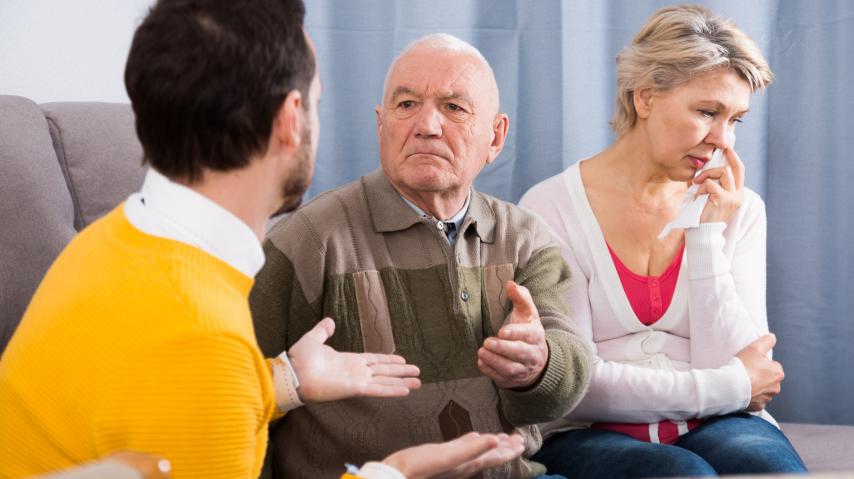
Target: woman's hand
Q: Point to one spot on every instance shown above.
(724, 198)
(765, 374)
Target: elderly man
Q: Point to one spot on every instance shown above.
(411, 260)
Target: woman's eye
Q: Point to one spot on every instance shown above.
(737, 120)
(707, 113)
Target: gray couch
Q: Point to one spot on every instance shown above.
(63, 165)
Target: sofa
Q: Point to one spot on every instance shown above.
(63, 165)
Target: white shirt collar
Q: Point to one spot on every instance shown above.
(170, 210)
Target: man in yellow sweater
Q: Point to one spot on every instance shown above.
(139, 337)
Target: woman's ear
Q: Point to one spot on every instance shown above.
(642, 99)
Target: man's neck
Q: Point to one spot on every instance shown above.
(238, 192)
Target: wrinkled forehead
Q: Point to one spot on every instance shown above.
(442, 73)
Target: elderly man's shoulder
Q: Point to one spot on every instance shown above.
(329, 208)
(514, 221)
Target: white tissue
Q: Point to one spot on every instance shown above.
(692, 208)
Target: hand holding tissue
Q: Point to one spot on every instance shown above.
(692, 208)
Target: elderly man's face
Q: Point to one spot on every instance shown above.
(437, 125)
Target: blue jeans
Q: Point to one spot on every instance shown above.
(732, 444)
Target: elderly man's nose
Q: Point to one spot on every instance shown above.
(428, 122)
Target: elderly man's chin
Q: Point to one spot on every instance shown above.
(425, 178)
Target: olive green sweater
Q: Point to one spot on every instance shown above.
(393, 283)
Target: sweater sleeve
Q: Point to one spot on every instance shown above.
(277, 302)
(200, 401)
(727, 297)
(567, 372)
(621, 392)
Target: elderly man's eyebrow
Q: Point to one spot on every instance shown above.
(402, 90)
(462, 97)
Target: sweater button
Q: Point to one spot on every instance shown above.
(464, 295)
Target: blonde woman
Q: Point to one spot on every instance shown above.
(678, 323)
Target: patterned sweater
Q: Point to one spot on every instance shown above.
(393, 283)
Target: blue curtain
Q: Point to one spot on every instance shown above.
(554, 62)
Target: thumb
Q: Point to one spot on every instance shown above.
(321, 331)
(765, 343)
(523, 304)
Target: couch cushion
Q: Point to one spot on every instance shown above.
(36, 208)
(823, 447)
(99, 153)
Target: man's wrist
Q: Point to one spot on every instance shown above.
(375, 470)
(285, 383)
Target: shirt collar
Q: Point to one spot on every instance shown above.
(389, 211)
(170, 210)
(457, 219)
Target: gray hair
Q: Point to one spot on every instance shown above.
(677, 44)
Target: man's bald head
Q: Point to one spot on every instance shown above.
(450, 45)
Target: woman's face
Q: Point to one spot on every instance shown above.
(687, 123)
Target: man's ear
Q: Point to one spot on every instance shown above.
(288, 124)
(500, 127)
(642, 99)
(379, 111)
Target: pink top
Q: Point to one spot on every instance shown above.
(650, 297)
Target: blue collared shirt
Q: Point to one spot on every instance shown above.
(456, 220)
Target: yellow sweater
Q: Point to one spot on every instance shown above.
(134, 342)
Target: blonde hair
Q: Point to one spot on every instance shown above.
(677, 44)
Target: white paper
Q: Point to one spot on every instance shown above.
(692, 208)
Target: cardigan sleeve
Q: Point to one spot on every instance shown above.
(620, 392)
(202, 401)
(726, 300)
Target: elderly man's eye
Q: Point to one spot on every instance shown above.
(455, 108)
(406, 104)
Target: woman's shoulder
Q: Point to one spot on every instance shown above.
(551, 191)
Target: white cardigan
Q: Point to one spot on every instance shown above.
(682, 366)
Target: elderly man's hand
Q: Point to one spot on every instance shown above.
(325, 374)
(517, 357)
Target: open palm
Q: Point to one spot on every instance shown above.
(325, 374)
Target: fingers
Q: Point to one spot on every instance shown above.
(523, 352)
(765, 343)
(508, 448)
(394, 370)
(375, 358)
(523, 304)
(505, 367)
(388, 387)
(724, 174)
(321, 331)
(736, 166)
